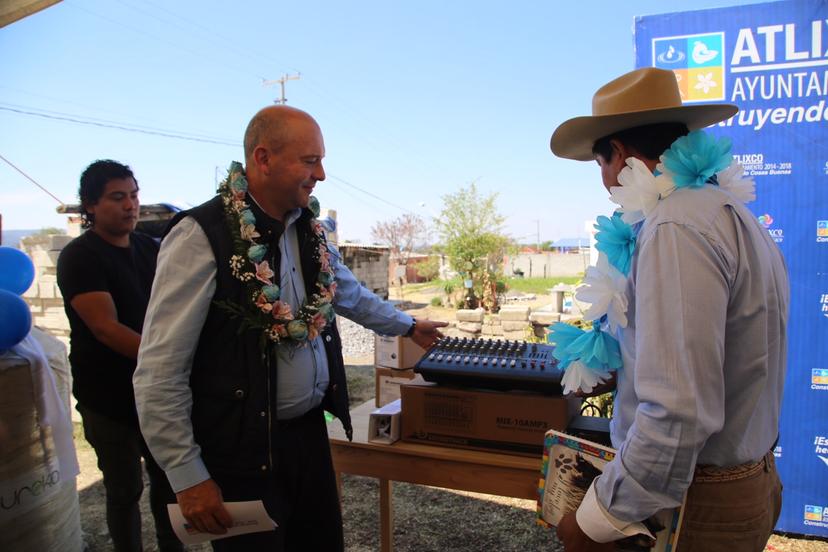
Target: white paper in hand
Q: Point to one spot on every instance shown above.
(248, 517)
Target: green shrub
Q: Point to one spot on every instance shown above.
(436, 302)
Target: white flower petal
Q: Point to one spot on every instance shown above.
(731, 180)
(604, 288)
(639, 191)
(578, 377)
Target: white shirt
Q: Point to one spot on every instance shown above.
(704, 356)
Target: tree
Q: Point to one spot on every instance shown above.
(429, 269)
(400, 234)
(470, 229)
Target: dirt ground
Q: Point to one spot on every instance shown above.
(426, 518)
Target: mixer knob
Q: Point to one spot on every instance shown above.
(474, 360)
(503, 362)
(512, 364)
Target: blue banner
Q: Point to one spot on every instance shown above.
(772, 61)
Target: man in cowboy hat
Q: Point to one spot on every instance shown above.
(698, 400)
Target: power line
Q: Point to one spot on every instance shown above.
(388, 141)
(375, 196)
(227, 42)
(32, 180)
(161, 39)
(112, 122)
(122, 126)
(171, 134)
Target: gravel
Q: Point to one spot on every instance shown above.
(356, 340)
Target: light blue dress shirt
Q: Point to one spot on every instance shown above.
(704, 356)
(185, 282)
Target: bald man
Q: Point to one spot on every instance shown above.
(231, 406)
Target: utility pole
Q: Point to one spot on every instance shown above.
(537, 222)
(281, 82)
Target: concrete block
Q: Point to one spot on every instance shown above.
(469, 315)
(520, 336)
(59, 241)
(56, 302)
(470, 327)
(46, 290)
(544, 318)
(53, 257)
(515, 326)
(41, 258)
(31, 293)
(487, 330)
(514, 313)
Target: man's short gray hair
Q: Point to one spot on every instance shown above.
(264, 127)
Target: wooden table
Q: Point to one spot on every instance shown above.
(467, 470)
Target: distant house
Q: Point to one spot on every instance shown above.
(369, 263)
(570, 245)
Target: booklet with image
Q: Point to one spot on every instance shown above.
(570, 464)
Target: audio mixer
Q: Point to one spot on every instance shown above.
(492, 364)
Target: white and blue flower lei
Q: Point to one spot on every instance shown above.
(589, 357)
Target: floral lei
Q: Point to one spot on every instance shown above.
(588, 357)
(265, 312)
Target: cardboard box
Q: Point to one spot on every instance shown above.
(513, 421)
(388, 383)
(384, 423)
(396, 352)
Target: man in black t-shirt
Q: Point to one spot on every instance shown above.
(105, 276)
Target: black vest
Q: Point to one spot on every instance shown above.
(233, 381)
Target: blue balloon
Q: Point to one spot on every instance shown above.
(16, 270)
(15, 319)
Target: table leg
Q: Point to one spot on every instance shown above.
(386, 517)
(339, 485)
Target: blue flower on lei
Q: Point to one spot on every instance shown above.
(561, 336)
(271, 292)
(616, 239)
(256, 252)
(247, 217)
(694, 158)
(596, 349)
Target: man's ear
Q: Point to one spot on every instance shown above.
(620, 153)
(85, 207)
(261, 156)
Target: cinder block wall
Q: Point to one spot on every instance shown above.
(43, 296)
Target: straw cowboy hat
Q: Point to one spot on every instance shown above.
(641, 97)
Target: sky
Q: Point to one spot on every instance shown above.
(415, 100)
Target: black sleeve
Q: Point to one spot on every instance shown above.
(79, 271)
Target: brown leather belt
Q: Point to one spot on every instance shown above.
(711, 474)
